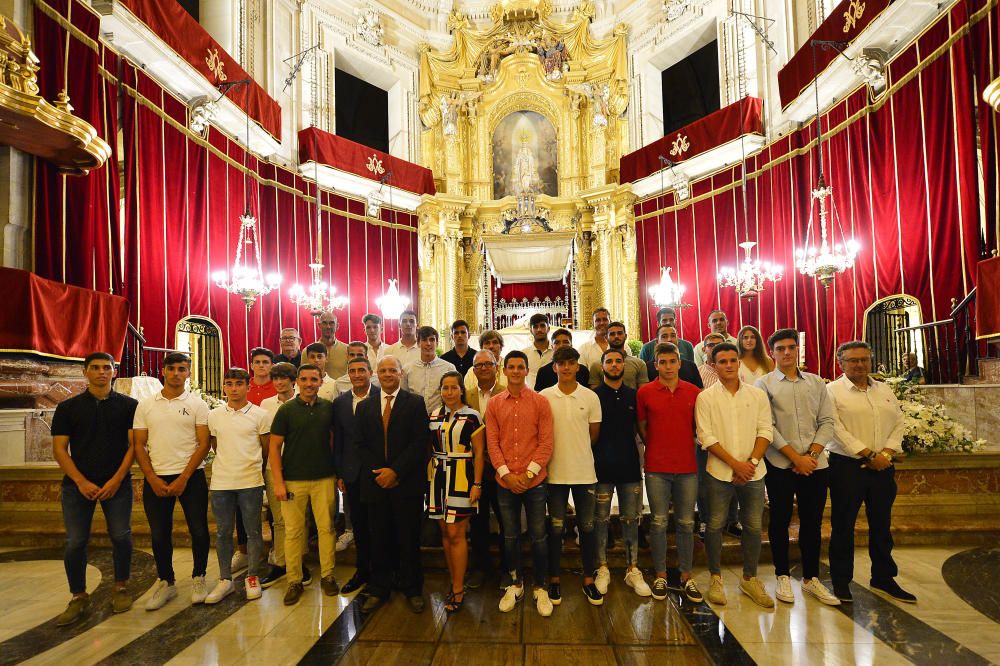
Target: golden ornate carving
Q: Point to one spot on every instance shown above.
(853, 14)
(30, 123)
(215, 64)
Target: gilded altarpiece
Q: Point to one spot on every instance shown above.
(546, 102)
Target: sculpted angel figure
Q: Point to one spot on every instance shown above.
(552, 53)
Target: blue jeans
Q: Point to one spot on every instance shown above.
(683, 488)
(703, 509)
(533, 501)
(629, 506)
(585, 503)
(751, 498)
(78, 514)
(224, 505)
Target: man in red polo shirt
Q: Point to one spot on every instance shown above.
(261, 387)
(666, 425)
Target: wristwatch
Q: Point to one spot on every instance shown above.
(884, 454)
(814, 454)
(530, 474)
(871, 455)
(755, 461)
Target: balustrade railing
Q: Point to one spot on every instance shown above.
(507, 314)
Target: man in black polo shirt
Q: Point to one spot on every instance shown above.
(461, 354)
(546, 376)
(92, 442)
(304, 476)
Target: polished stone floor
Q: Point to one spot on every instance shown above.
(954, 622)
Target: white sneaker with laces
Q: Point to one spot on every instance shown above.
(783, 590)
(253, 587)
(634, 579)
(239, 562)
(221, 590)
(818, 590)
(163, 592)
(345, 540)
(542, 602)
(602, 579)
(511, 596)
(198, 590)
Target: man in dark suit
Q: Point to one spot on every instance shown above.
(688, 371)
(392, 440)
(348, 461)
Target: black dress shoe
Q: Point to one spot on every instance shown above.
(417, 604)
(734, 530)
(555, 593)
(356, 583)
(372, 604)
(843, 592)
(275, 574)
(891, 589)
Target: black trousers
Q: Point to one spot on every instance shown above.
(160, 514)
(395, 521)
(850, 486)
(479, 529)
(785, 489)
(362, 530)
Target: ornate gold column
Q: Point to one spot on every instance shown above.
(614, 255)
(440, 248)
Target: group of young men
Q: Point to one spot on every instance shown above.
(560, 423)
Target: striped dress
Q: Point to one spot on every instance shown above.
(451, 470)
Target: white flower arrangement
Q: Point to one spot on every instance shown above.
(928, 428)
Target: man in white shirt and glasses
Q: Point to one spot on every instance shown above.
(797, 469)
(734, 426)
(867, 436)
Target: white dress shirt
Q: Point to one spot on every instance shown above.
(734, 422)
(536, 359)
(591, 352)
(374, 356)
(868, 419)
(400, 351)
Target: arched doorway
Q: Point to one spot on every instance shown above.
(882, 320)
(202, 339)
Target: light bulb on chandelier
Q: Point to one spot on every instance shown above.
(667, 293)
(751, 276)
(392, 303)
(319, 297)
(247, 280)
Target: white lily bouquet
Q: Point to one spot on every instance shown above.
(928, 428)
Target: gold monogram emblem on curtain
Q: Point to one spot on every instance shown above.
(853, 14)
(680, 146)
(375, 165)
(215, 64)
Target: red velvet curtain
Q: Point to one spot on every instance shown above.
(904, 185)
(183, 204)
(76, 237)
(529, 290)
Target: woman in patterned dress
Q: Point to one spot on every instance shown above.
(455, 472)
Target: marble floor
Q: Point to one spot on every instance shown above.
(956, 621)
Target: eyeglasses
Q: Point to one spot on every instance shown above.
(709, 345)
(855, 360)
(285, 338)
(483, 365)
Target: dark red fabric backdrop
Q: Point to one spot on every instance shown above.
(904, 186)
(529, 290)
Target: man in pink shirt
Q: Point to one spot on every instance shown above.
(519, 439)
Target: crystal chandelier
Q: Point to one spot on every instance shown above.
(667, 294)
(750, 278)
(392, 303)
(829, 259)
(319, 297)
(247, 280)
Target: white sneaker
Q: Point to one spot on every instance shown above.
(635, 580)
(239, 562)
(783, 590)
(198, 590)
(511, 596)
(253, 587)
(162, 593)
(542, 602)
(345, 540)
(602, 579)
(221, 590)
(716, 592)
(818, 590)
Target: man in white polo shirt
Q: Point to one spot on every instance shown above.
(576, 423)
(238, 435)
(171, 441)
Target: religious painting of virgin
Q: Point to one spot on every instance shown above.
(524, 156)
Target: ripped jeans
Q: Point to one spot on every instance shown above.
(683, 488)
(584, 502)
(629, 507)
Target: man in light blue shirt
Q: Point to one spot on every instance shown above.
(423, 376)
(797, 466)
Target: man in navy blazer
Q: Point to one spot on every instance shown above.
(348, 461)
(392, 441)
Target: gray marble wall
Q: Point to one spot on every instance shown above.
(975, 407)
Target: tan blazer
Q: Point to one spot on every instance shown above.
(472, 396)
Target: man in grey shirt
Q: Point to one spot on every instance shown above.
(797, 466)
(423, 376)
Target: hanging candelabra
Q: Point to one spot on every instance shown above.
(319, 297)
(751, 276)
(667, 293)
(247, 280)
(392, 303)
